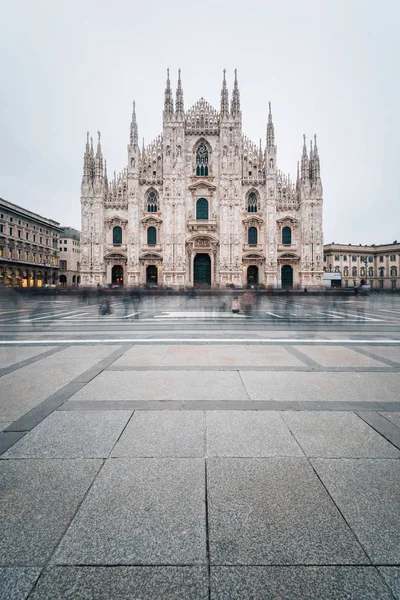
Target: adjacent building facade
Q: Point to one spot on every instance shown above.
(69, 257)
(376, 265)
(202, 204)
(28, 247)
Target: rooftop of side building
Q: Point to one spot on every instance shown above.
(24, 212)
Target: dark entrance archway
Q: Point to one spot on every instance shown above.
(151, 274)
(117, 275)
(287, 276)
(252, 275)
(202, 269)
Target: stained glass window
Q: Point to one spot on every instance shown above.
(202, 161)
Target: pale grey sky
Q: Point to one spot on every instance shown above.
(328, 67)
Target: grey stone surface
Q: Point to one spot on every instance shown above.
(231, 355)
(163, 434)
(367, 493)
(123, 583)
(39, 498)
(17, 582)
(250, 433)
(140, 511)
(72, 435)
(392, 578)
(338, 356)
(94, 353)
(389, 352)
(164, 385)
(394, 417)
(337, 435)
(382, 387)
(297, 583)
(3, 425)
(274, 511)
(15, 354)
(143, 356)
(26, 388)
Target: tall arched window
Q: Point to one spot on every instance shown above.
(151, 236)
(202, 161)
(370, 272)
(202, 209)
(117, 235)
(252, 236)
(346, 272)
(286, 235)
(252, 202)
(381, 271)
(152, 204)
(393, 271)
(354, 271)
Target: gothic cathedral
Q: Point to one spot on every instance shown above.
(201, 205)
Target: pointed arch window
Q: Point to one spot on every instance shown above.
(202, 161)
(286, 235)
(152, 202)
(202, 209)
(252, 236)
(252, 205)
(117, 235)
(151, 236)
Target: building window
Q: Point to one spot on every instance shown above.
(65, 241)
(11, 230)
(252, 203)
(286, 235)
(252, 236)
(19, 233)
(1, 251)
(382, 272)
(27, 236)
(324, 258)
(202, 209)
(354, 258)
(370, 259)
(65, 249)
(26, 255)
(117, 236)
(344, 257)
(63, 265)
(152, 203)
(393, 258)
(354, 271)
(346, 271)
(151, 236)
(337, 257)
(202, 161)
(40, 240)
(381, 259)
(34, 257)
(1, 228)
(393, 272)
(370, 272)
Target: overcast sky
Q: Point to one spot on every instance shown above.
(328, 67)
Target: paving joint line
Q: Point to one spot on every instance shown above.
(31, 360)
(387, 361)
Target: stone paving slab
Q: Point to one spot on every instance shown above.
(17, 582)
(140, 511)
(249, 434)
(337, 435)
(298, 583)
(389, 352)
(394, 417)
(274, 511)
(392, 578)
(367, 493)
(24, 389)
(168, 434)
(11, 356)
(72, 435)
(123, 583)
(4, 424)
(39, 498)
(143, 355)
(272, 356)
(382, 387)
(338, 356)
(164, 385)
(95, 353)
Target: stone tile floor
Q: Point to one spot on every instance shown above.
(131, 489)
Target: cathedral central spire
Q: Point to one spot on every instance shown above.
(224, 98)
(235, 104)
(168, 101)
(179, 96)
(270, 130)
(304, 161)
(134, 128)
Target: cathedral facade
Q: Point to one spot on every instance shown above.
(201, 205)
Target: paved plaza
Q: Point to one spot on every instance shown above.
(197, 456)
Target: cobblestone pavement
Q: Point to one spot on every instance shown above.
(266, 469)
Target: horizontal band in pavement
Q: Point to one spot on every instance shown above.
(280, 341)
(228, 405)
(307, 369)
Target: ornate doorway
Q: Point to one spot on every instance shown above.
(252, 275)
(287, 276)
(202, 269)
(117, 275)
(151, 274)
